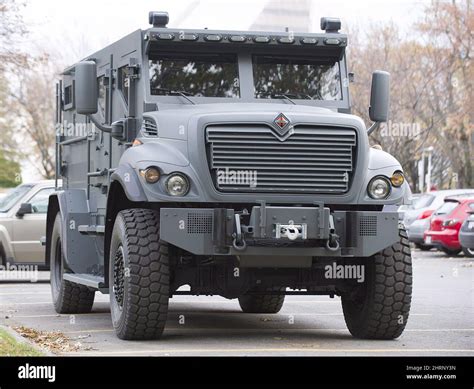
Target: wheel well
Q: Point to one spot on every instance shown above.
(117, 201)
(53, 209)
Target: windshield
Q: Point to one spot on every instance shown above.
(296, 77)
(194, 74)
(447, 208)
(13, 196)
(423, 201)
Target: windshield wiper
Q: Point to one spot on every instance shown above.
(184, 94)
(284, 97)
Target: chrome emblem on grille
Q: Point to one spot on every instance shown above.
(282, 124)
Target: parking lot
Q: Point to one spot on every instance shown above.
(440, 323)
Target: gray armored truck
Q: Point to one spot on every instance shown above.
(224, 163)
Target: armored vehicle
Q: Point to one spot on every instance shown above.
(224, 163)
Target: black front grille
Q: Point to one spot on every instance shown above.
(251, 158)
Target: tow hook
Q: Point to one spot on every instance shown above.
(332, 243)
(238, 242)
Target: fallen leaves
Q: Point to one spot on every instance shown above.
(55, 342)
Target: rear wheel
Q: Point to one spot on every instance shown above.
(138, 276)
(451, 252)
(263, 303)
(67, 296)
(379, 307)
(468, 252)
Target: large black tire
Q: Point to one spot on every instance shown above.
(379, 307)
(67, 296)
(139, 276)
(450, 252)
(262, 303)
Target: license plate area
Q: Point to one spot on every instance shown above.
(428, 240)
(291, 231)
(293, 223)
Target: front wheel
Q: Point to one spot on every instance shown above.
(139, 275)
(379, 307)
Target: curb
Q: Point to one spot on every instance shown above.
(21, 339)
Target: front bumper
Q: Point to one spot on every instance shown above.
(207, 231)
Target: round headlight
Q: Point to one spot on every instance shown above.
(177, 185)
(151, 175)
(397, 179)
(379, 188)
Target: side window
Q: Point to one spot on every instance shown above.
(39, 202)
(69, 96)
(102, 96)
(123, 81)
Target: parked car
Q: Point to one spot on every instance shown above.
(466, 235)
(417, 218)
(23, 223)
(446, 223)
(407, 207)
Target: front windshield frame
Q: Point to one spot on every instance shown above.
(246, 79)
(13, 196)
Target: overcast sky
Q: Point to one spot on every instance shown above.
(76, 29)
(79, 27)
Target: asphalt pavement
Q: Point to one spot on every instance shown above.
(441, 321)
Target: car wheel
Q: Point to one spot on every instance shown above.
(379, 307)
(468, 252)
(451, 252)
(68, 297)
(139, 275)
(422, 247)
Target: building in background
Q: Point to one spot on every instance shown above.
(293, 14)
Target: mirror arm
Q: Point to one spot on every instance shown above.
(100, 126)
(375, 126)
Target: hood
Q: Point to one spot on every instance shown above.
(173, 121)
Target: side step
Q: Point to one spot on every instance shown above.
(91, 230)
(91, 281)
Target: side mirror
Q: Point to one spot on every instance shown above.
(118, 130)
(380, 96)
(86, 88)
(25, 209)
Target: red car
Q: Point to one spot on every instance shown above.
(446, 223)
